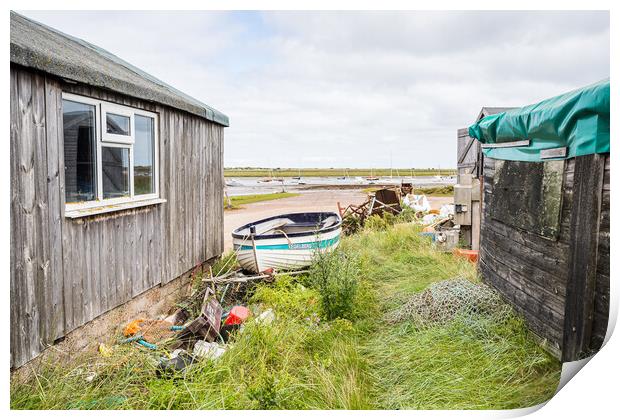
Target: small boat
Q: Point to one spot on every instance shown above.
(372, 177)
(287, 241)
(233, 183)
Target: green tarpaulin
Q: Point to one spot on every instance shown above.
(577, 120)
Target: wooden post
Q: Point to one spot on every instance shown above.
(584, 226)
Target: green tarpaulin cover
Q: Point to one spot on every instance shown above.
(577, 120)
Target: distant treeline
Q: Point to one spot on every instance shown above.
(310, 172)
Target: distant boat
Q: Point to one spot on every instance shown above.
(288, 241)
(233, 183)
(298, 176)
(372, 177)
(270, 178)
(345, 175)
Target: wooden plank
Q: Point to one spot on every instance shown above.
(17, 329)
(544, 296)
(163, 193)
(136, 283)
(585, 219)
(173, 202)
(550, 271)
(27, 210)
(547, 323)
(55, 201)
(43, 284)
(86, 252)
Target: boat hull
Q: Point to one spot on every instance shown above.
(284, 253)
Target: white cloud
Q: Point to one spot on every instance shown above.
(350, 88)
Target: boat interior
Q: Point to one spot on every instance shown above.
(287, 226)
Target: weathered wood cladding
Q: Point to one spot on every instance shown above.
(534, 273)
(66, 272)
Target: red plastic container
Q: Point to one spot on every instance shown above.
(237, 315)
(472, 256)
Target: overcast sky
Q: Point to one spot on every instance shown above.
(351, 89)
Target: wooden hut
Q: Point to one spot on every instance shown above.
(116, 184)
(544, 231)
(469, 160)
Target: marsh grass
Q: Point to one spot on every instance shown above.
(304, 361)
(238, 201)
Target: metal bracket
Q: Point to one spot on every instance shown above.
(518, 143)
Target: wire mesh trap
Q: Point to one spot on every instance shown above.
(446, 300)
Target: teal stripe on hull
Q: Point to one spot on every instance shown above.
(304, 245)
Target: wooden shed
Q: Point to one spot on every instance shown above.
(116, 184)
(544, 232)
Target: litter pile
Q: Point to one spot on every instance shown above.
(191, 333)
(394, 201)
(386, 200)
(446, 300)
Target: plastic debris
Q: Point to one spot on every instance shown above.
(266, 317)
(429, 218)
(181, 360)
(446, 210)
(208, 350)
(417, 202)
(133, 327)
(470, 254)
(104, 350)
(237, 315)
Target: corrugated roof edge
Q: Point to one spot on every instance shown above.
(73, 71)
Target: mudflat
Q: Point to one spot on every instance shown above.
(317, 200)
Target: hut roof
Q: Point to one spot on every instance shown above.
(577, 121)
(43, 48)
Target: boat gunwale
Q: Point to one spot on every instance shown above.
(328, 229)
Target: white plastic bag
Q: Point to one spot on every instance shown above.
(417, 202)
(212, 351)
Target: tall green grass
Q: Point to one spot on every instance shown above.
(310, 358)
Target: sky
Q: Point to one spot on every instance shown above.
(352, 89)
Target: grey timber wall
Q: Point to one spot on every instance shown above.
(559, 283)
(66, 272)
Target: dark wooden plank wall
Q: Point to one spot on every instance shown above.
(531, 272)
(601, 292)
(528, 270)
(65, 272)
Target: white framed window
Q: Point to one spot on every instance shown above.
(117, 123)
(111, 154)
